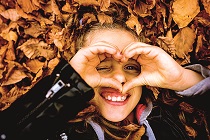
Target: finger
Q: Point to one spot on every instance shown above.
(110, 82)
(137, 48)
(117, 56)
(132, 84)
(94, 51)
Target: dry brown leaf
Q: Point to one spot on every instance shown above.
(53, 62)
(56, 11)
(184, 42)
(42, 20)
(184, 11)
(23, 14)
(11, 95)
(88, 18)
(34, 48)
(59, 40)
(167, 44)
(47, 8)
(10, 36)
(11, 14)
(34, 65)
(206, 4)
(104, 5)
(52, 34)
(134, 24)
(7, 29)
(103, 18)
(69, 8)
(35, 30)
(2, 8)
(3, 50)
(27, 5)
(203, 18)
(199, 43)
(14, 77)
(141, 8)
(87, 2)
(10, 54)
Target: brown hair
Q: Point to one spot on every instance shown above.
(85, 33)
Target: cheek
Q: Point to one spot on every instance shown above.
(95, 99)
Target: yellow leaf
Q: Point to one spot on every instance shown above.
(87, 2)
(142, 9)
(10, 54)
(14, 77)
(104, 5)
(10, 36)
(35, 30)
(68, 8)
(11, 14)
(184, 42)
(133, 23)
(34, 65)
(184, 11)
(34, 48)
(206, 4)
(27, 5)
(103, 18)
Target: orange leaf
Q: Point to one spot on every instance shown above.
(184, 11)
(103, 18)
(14, 77)
(34, 65)
(133, 23)
(27, 5)
(34, 48)
(184, 42)
(142, 9)
(87, 2)
(11, 14)
(104, 5)
(35, 30)
(206, 4)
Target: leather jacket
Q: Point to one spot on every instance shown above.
(47, 106)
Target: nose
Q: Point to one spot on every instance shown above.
(120, 76)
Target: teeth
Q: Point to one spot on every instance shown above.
(114, 98)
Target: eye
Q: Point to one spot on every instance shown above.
(132, 68)
(103, 68)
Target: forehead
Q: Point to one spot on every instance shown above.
(116, 37)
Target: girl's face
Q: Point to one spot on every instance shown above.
(113, 105)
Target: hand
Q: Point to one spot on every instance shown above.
(158, 69)
(86, 60)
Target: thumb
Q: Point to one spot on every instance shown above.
(132, 84)
(110, 82)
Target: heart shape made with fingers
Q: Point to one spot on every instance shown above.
(123, 56)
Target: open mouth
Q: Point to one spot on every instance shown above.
(115, 98)
(113, 95)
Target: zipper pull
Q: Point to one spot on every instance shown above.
(55, 88)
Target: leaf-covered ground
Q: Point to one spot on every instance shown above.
(35, 34)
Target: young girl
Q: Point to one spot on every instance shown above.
(101, 94)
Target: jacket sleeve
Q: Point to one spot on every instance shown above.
(199, 94)
(203, 86)
(47, 106)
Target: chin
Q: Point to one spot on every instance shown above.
(114, 118)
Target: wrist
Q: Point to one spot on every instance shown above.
(189, 78)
